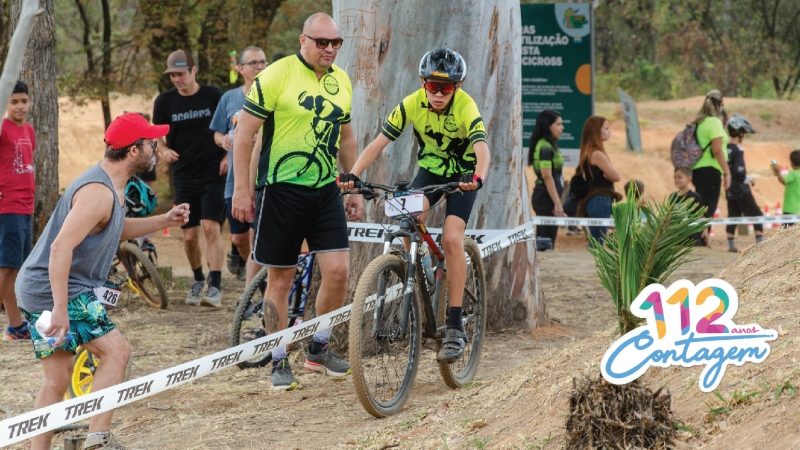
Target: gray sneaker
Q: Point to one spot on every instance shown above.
(212, 298)
(328, 362)
(452, 345)
(97, 441)
(195, 293)
(282, 378)
(233, 262)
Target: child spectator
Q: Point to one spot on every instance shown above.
(682, 178)
(17, 186)
(739, 196)
(791, 181)
(638, 189)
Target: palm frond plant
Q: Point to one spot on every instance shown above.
(649, 242)
(641, 252)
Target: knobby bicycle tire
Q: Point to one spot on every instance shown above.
(384, 362)
(461, 371)
(250, 313)
(144, 275)
(83, 368)
(84, 365)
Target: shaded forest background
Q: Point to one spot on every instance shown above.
(654, 49)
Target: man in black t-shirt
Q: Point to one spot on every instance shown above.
(198, 169)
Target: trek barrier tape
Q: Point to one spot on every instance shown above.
(373, 232)
(583, 221)
(49, 418)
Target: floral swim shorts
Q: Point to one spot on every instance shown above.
(87, 321)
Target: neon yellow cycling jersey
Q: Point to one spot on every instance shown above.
(446, 139)
(303, 118)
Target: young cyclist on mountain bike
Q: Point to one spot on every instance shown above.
(452, 147)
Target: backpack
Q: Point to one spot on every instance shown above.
(579, 186)
(685, 150)
(139, 198)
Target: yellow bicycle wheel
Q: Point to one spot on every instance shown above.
(82, 373)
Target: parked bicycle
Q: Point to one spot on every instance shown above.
(248, 320)
(395, 305)
(141, 276)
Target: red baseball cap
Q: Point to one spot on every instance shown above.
(129, 128)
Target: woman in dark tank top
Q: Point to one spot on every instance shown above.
(599, 171)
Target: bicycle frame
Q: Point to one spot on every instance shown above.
(410, 227)
(301, 286)
(416, 232)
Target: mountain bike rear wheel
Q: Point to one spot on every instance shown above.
(248, 320)
(461, 371)
(83, 369)
(143, 275)
(384, 358)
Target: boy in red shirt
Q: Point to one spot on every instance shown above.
(17, 142)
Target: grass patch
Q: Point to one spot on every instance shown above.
(726, 405)
(785, 388)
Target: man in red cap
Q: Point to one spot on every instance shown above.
(64, 277)
(198, 169)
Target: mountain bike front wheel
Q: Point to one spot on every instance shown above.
(83, 369)
(143, 275)
(461, 371)
(248, 320)
(384, 357)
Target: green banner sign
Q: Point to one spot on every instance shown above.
(557, 69)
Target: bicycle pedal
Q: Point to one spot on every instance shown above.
(430, 344)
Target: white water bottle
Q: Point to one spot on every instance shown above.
(42, 324)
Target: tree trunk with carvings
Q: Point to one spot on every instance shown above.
(384, 42)
(39, 71)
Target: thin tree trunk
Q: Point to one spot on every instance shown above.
(39, 71)
(15, 53)
(164, 21)
(213, 46)
(382, 52)
(105, 83)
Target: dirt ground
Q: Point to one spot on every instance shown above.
(236, 409)
(520, 396)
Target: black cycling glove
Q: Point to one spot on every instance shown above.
(347, 177)
(471, 177)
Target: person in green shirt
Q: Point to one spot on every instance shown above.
(548, 163)
(303, 102)
(791, 182)
(452, 147)
(711, 172)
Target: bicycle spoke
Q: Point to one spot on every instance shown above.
(384, 355)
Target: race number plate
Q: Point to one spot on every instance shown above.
(107, 296)
(406, 204)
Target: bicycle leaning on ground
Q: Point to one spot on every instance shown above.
(397, 303)
(248, 320)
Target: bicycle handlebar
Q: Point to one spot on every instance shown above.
(367, 189)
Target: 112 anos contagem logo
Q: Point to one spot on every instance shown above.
(687, 325)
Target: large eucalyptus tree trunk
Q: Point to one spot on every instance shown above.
(39, 71)
(384, 41)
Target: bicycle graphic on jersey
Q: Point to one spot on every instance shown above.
(455, 160)
(322, 137)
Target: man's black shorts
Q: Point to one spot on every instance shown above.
(206, 199)
(233, 223)
(286, 214)
(459, 204)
